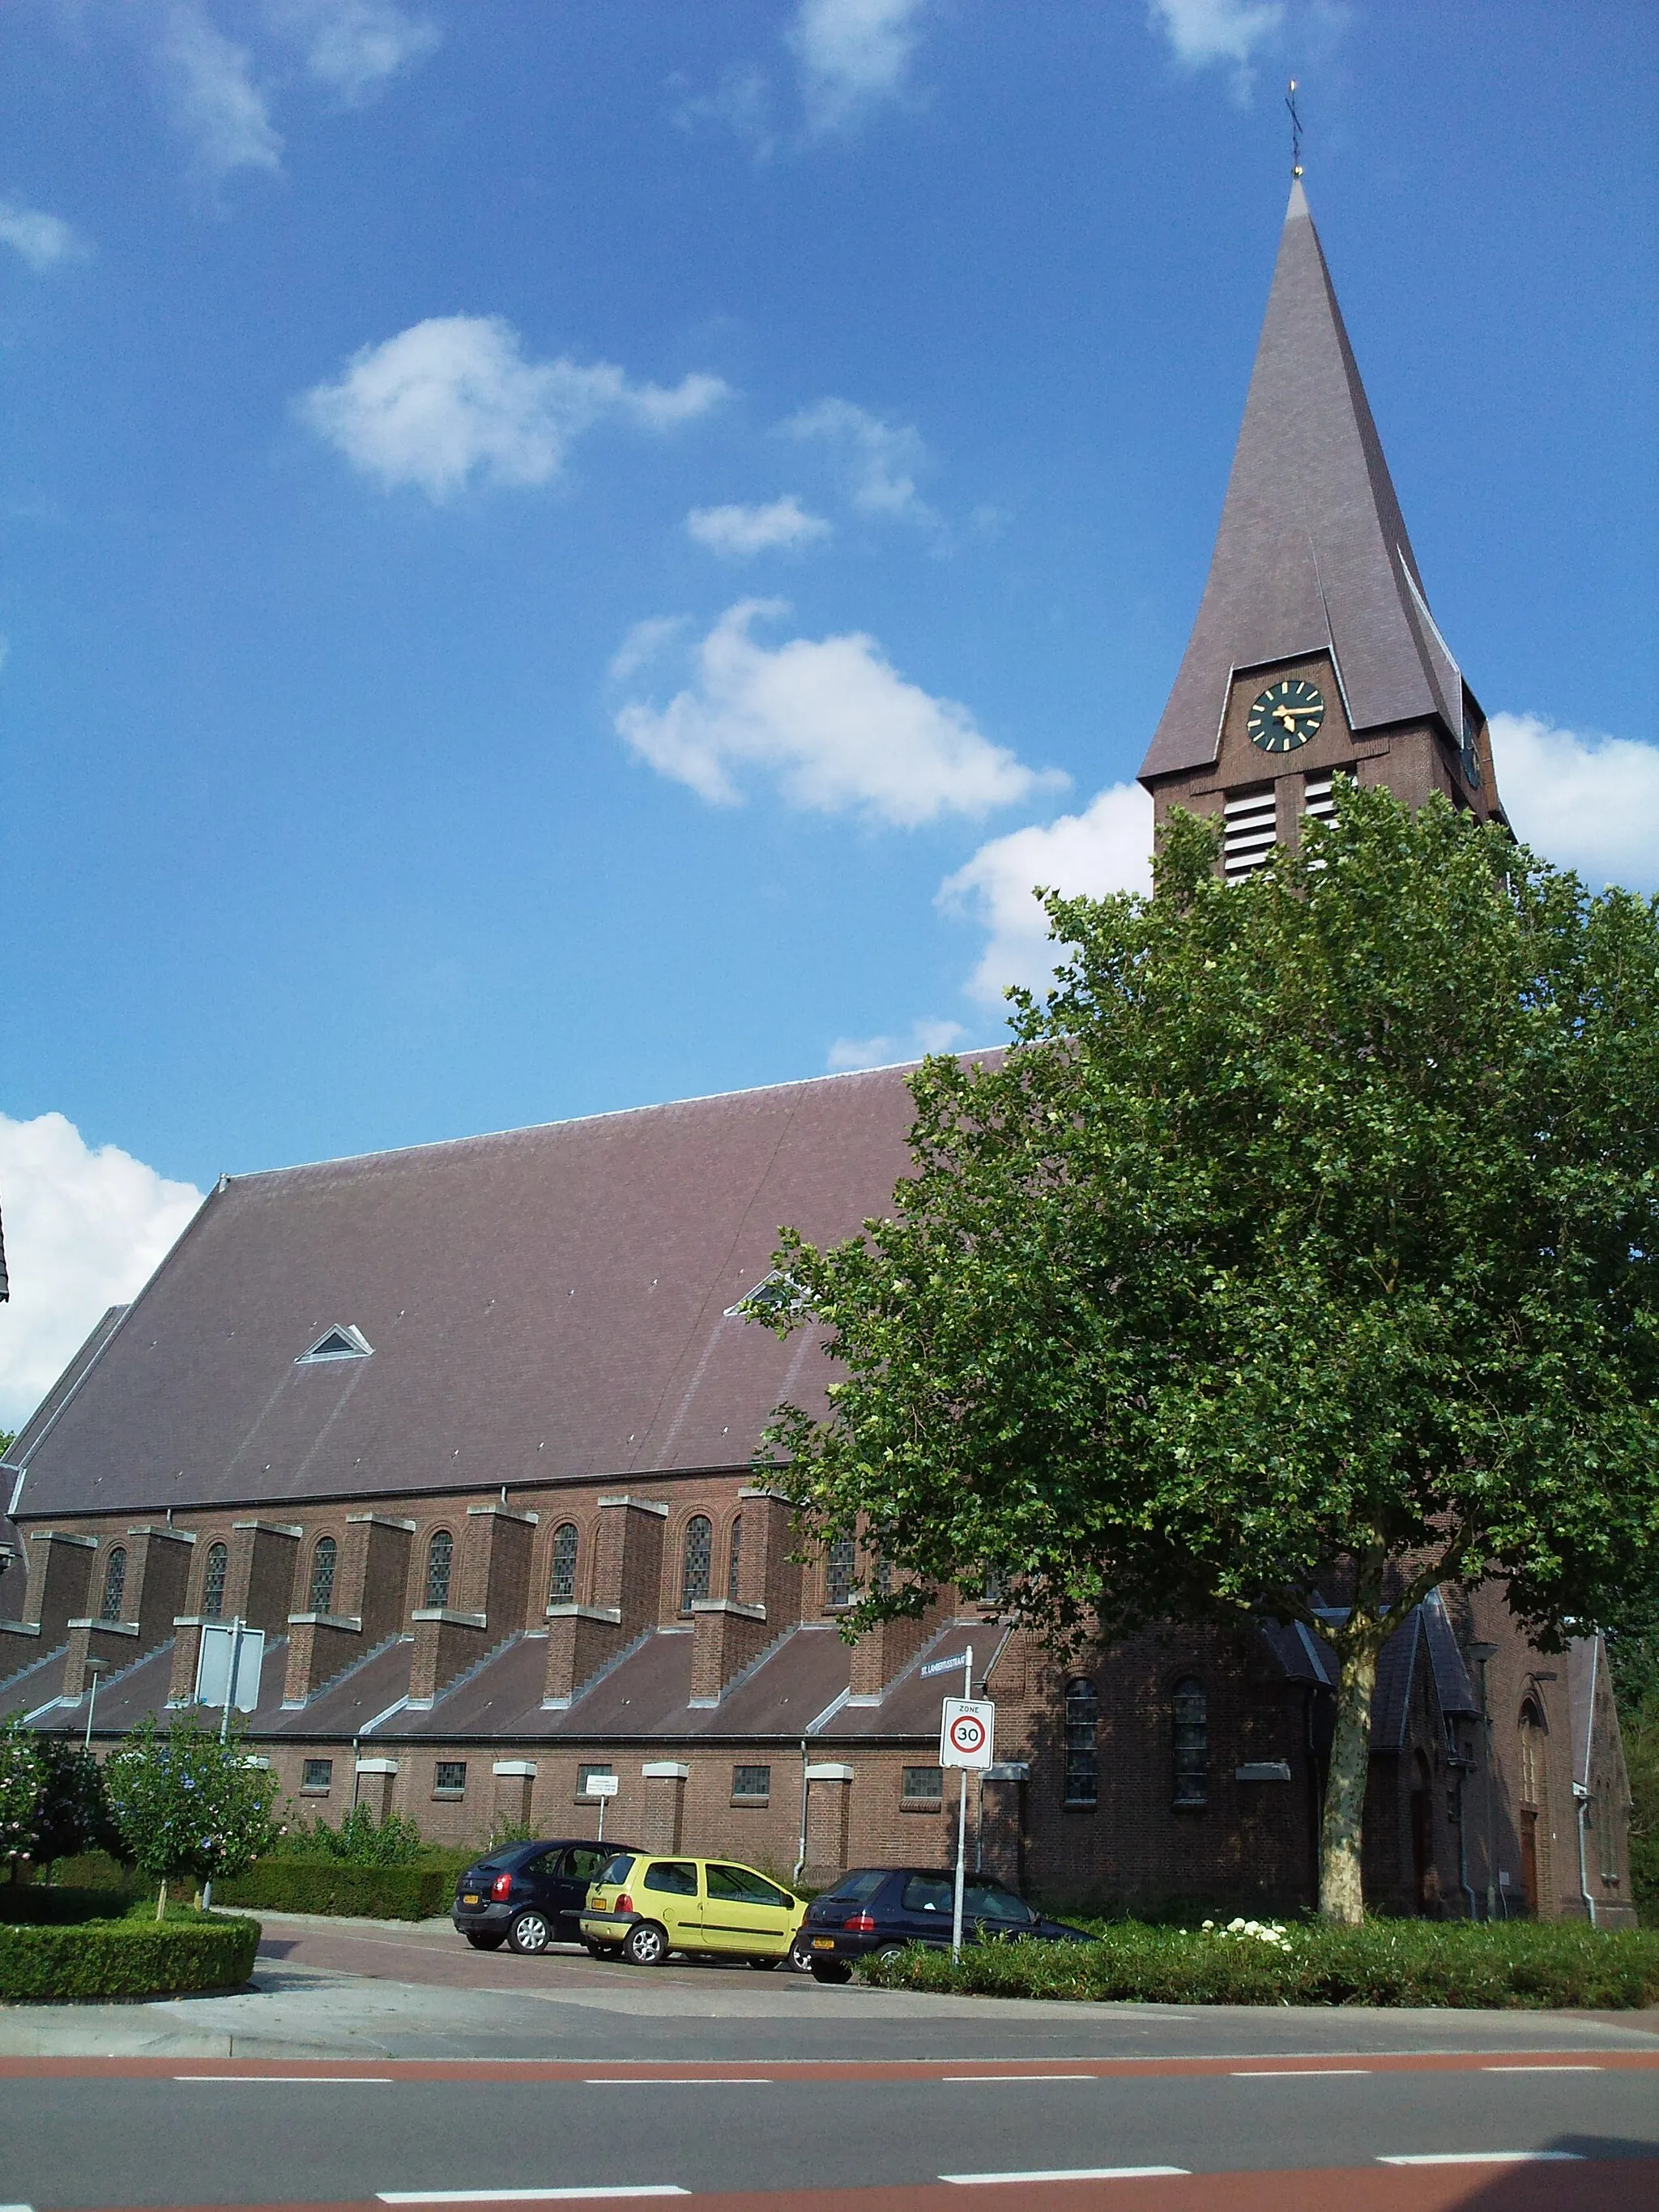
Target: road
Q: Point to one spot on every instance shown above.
(730, 2086)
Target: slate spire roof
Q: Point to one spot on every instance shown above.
(1312, 554)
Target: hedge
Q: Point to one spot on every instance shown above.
(126, 1958)
(33, 1904)
(1522, 1965)
(369, 1892)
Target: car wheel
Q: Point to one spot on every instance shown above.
(765, 1965)
(530, 1933)
(646, 1945)
(600, 1950)
(830, 1970)
(800, 1958)
(887, 1951)
(485, 1942)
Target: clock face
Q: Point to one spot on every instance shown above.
(1287, 716)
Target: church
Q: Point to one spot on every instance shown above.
(467, 1430)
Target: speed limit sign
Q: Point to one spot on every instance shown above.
(967, 1730)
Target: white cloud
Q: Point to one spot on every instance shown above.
(85, 1228)
(831, 720)
(455, 396)
(1203, 31)
(737, 531)
(355, 48)
(645, 642)
(847, 1053)
(216, 101)
(880, 459)
(852, 55)
(1587, 803)
(44, 240)
(1107, 847)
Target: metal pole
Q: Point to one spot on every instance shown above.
(230, 1674)
(961, 1818)
(92, 1705)
(601, 1820)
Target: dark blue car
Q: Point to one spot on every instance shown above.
(881, 1909)
(527, 1895)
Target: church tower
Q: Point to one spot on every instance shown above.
(1314, 653)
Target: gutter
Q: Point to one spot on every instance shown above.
(1581, 1790)
(800, 1860)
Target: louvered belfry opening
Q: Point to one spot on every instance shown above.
(1248, 830)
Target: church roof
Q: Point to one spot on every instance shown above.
(551, 1303)
(1312, 553)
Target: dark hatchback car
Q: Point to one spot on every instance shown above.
(876, 1909)
(527, 1895)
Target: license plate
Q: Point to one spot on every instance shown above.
(471, 1897)
(823, 1943)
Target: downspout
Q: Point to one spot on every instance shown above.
(801, 1859)
(1581, 1790)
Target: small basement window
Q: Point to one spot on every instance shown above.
(922, 1789)
(317, 1777)
(585, 1776)
(449, 1778)
(751, 1785)
(342, 1342)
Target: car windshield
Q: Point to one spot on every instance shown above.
(618, 1869)
(857, 1889)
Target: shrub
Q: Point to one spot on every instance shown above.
(33, 1904)
(105, 1958)
(358, 1840)
(282, 1884)
(1520, 1964)
(92, 1870)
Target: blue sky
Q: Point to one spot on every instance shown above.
(558, 556)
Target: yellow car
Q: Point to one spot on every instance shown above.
(640, 1908)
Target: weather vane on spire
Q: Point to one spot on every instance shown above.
(1296, 131)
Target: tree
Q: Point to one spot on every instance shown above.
(1305, 1242)
(187, 1806)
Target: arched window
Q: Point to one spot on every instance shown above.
(1191, 1711)
(840, 1568)
(699, 1560)
(115, 1584)
(213, 1582)
(562, 1581)
(1082, 1741)
(1532, 1754)
(736, 1559)
(440, 1558)
(322, 1574)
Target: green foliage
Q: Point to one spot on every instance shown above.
(186, 1805)
(103, 1958)
(95, 1869)
(34, 1905)
(1309, 1234)
(282, 1884)
(358, 1841)
(1522, 1965)
(22, 1778)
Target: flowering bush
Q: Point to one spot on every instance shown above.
(1261, 1931)
(187, 1806)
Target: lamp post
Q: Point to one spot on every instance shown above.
(94, 1668)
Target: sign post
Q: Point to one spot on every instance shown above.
(967, 1741)
(603, 1787)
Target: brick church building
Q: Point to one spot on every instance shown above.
(467, 1430)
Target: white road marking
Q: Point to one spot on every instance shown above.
(1291, 2074)
(1541, 2069)
(1025, 2077)
(1481, 2157)
(677, 2081)
(294, 2080)
(524, 2196)
(1067, 2173)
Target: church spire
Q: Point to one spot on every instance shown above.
(1313, 567)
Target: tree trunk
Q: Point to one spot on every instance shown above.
(161, 1900)
(1341, 1886)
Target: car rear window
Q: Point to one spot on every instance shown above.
(857, 1889)
(616, 1869)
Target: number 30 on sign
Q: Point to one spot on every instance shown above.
(967, 1729)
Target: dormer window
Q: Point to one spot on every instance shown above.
(774, 1294)
(341, 1342)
